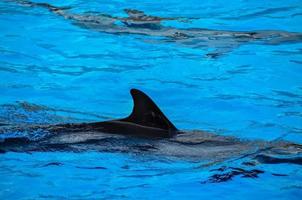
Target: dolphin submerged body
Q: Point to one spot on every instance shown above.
(139, 23)
(147, 130)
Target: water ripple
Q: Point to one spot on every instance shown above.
(262, 13)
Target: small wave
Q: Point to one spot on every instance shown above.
(261, 13)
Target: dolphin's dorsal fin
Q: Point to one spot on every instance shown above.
(132, 13)
(146, 113)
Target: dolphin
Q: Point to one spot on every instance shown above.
(147, 130)
(139, 23)
(146, 120)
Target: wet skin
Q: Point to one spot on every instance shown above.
(148, 130)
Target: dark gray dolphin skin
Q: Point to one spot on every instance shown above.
(147, 129)
(139, 23)
(146, 120)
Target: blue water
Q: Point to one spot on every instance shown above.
(53, 71)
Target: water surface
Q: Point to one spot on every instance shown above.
(53, 71)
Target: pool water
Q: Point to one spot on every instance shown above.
(55, 71)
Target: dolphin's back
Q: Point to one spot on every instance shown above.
(146, 120)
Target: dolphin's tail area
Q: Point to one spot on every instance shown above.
(51, 8)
